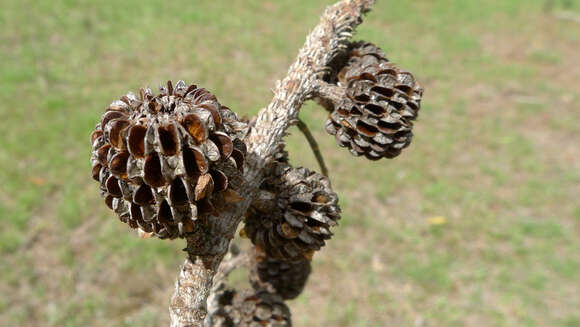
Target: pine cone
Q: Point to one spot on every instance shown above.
(293, 213)
(247, 308)
(375, 118)
(163, 161)
(288, 278)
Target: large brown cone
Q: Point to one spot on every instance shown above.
(249, 309)
(293, 213)
(375, 119)
(164, 161)
(287, 277)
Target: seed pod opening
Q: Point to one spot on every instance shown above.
(110, 115)
(118, 165)
(195, 127)
(152, 171)
(164, 215)
(178, 192)
(116, 136)
(102, 154)
(204, 186)
(168, 139)
(96, 171)
(95, 135)
(136, 212)
(113, 187)
(220, 180)
(194, 162)
(224, 144)
(136, 141)
(143, 195)
(239, 159)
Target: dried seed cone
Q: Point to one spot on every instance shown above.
(164, 161)
(376, 117)
(287, 277)
(249, 308)
(292, 216)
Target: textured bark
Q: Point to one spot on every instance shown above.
(206, 250)
(188, 304)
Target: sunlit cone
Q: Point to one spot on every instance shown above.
(249, 309)
(293, 213)
(287, 277)
(376, 117)
(164, 161)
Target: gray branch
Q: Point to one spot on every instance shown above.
(189, 302)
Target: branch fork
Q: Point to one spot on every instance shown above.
(205, 266)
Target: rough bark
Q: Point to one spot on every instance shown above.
(206, 250)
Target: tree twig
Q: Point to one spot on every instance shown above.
(313, 145)
(188, 305)
(328, 95)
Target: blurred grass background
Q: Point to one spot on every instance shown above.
(476, 224)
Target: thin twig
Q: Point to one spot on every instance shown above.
(328, 95)
(313, 145)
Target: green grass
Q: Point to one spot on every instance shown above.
(495, 153)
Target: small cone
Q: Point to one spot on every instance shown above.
(375, 119)
(250, 308)
(287, 277)
(293, 213)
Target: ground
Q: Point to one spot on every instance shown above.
(476, 224)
